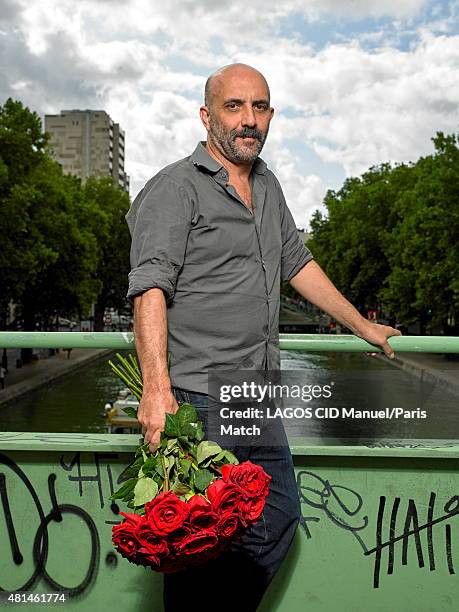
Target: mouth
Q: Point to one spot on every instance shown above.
(247, 138)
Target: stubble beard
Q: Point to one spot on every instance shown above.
(227, 142)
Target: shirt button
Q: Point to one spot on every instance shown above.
(263, 264)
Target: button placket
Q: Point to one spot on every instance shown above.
(222, 179)
(263, 265)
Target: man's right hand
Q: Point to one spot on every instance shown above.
(152, 414)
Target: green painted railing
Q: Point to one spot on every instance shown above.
(378, 531)
(299, 342)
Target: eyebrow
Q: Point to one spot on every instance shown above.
(239, 101)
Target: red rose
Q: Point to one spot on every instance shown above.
(166, 512)
(224, 496)
(251, 510)
(133, 519)
(153, 561)
(124, 537)
(198, 542)
(175, 538)
(228, 525)
(202, 514)
(153, 548)
(249, 477)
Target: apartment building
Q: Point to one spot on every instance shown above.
(88, 143)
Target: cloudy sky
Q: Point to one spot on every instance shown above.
(354, 82)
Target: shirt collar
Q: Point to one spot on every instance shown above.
(200, 157)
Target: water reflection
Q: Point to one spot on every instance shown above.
(70, 404)
(371, 400)
(75, 403)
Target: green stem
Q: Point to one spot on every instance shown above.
(127, 380)
(132, 371)
(166, 479)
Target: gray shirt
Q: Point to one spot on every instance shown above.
(219, 265)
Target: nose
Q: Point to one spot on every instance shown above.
(248, 116)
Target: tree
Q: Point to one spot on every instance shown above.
(49, 253)
(389, 238)
(349, 242)
(22, 150)
(113, 241)
(64, 248)
(423, 284)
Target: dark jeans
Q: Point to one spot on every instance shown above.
(238, 579)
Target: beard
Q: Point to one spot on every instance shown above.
(231, 144)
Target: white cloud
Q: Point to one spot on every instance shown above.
(361, 108)
(144, 64)
(303, 192)
(361, 9)
(231, 20)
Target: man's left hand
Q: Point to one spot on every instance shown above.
(377, 334)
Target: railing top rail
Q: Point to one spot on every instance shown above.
(301, 342)
(119, 443)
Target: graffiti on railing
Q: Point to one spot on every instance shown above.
(341, 505)
(72, 439)
(79, 484)
(344, 507)
(410, 444)
(412, 529)
(14, 475)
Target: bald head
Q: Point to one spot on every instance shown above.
(237, 113)
(216, 79)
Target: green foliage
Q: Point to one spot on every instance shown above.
(22, 152)
(64, 245)
(144, 490)
(125, 491)
(389, 238)
(207, 449)
(183, 462)
(202, 479)
(424, 254)
(22, 144)
(58, 239)
(108, 207)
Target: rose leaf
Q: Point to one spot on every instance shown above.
(144, 491)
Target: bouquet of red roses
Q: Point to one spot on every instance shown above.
(190, 499)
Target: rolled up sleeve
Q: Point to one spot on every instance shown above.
(159, 221)
(295, 253)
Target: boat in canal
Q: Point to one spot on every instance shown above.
(117, 420)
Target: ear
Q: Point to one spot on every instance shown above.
(204, 114)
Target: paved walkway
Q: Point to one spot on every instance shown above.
(19, 381)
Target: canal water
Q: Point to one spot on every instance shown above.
(356, 382)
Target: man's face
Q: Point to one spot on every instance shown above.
(239, 114)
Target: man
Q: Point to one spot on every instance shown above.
(212, 237)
